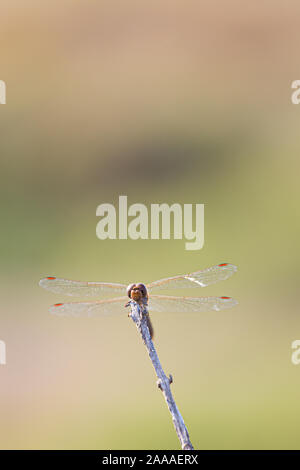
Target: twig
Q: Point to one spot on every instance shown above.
(139, 316)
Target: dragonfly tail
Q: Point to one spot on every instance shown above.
(150, 326)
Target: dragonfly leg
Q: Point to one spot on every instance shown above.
(127, 305)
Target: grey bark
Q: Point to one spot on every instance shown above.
(139, 316)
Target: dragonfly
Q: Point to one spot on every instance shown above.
(142, 294)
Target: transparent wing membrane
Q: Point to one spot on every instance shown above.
(158, 303)
(165, 303)
(203, 278)
(90, 309)
(79, 288)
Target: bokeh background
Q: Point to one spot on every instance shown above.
(168, 101)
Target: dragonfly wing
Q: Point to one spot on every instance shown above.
(166, 303)
(90, 309)
(202, 278)
(78, 288)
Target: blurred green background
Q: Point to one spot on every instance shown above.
(173, 101)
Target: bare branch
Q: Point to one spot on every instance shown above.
(163, 382)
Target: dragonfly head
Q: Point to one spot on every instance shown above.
(137, 291)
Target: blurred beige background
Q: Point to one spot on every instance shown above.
(173, 101)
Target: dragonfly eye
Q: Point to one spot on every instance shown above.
(142, 288)
(129, 289)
